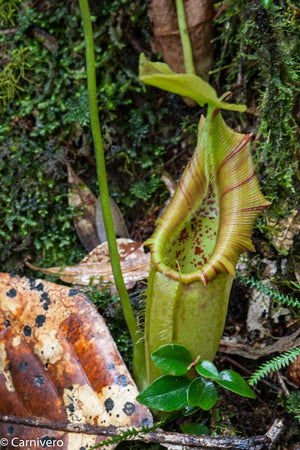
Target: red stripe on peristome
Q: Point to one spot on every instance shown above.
(254, 208)
(239, 185)
(236, 150)
(183, 191)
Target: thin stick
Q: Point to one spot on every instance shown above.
(186, 440)
(139, 358)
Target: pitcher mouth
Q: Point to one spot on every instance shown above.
(209, 221)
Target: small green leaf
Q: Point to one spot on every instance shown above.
(160, 75)
(202, 393)
(166, 393)
(188, 410)
(235, 383)
(195, 428)
(172, 359)
(266, 3)
(207, 369)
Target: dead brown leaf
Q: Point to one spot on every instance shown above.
(294, 371)
(118, 221)
(285, 231)
(59, 364)
(283, 344)
(96, 267)
(81, 196)
(164, 23)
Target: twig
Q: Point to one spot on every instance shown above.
(185, 440)
(285, 343)
(275, 430)
(282, 383)
(10, 30)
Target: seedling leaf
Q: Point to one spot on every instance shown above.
(202, 393)
(172, 359)
(235, 383)
(166, 393)
(207, 369)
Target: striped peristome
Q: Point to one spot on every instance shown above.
(230, 200)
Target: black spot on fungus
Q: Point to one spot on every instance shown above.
(122, 380)
(73, 292)
(10, 430)
(11, 293)
(23, 366)
(71, 387)
(111, 366)
(129, 408)
(38, 380)
(71, 407)
(44, 297)
(45, 306)
(39, 287)
(31, 284)
(7, 323)
(109, 404)
(27, 330)
(34, 287)
(40, 320)
(146, 422)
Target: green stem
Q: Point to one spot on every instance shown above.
(138, 346)
(185, 39)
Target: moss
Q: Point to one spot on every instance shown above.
(45, 123)
(259, 56)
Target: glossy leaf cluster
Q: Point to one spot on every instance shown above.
(175, 391)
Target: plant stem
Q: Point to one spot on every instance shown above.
(138, 346)
(185, 39)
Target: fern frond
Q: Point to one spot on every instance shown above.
(128, 434)
(276, 363)
(268, 290)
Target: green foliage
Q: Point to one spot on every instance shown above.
(260, 53)
(175, 361)
(145, 191)
(45, 124)
(276, 363)
(266, 3)
(195, 428)
(293, 403)
(273, 293)
(8, 12)
(174, 391)
(15, 63)
(35, 218)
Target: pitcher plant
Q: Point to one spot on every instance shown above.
(202, 233)
(204, 230)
